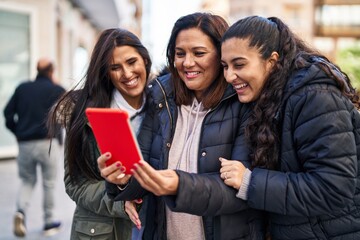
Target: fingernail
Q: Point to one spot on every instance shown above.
(107, 155)
(122, 168)
(118, 165)
(141, 163)
(120, 176)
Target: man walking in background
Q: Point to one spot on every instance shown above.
(25, 116)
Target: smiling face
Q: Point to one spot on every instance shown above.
(128, 74)
(245, 69)
(196, 60)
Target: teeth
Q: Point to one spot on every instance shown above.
(192, 73)
(240, 86)
(132, 82)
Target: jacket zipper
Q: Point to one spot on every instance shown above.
(199, 154)
(222, 100)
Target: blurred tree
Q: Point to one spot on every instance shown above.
(349, 61)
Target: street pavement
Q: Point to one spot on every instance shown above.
(9, 183)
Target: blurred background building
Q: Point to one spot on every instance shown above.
(66, 30)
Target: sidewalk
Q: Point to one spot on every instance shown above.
(9, 183)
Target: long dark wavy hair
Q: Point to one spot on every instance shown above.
(272, 35)
(214, 27)
(96, 91)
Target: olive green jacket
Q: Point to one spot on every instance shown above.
(96, 216)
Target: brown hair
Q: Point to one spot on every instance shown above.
(96, 92)
(214, 27)
(272, 35)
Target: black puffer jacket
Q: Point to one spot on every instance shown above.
(219, 137)
(317, 186)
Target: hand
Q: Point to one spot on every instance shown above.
(232, 172)
(159, 182)
(130, 209)
(113, 173)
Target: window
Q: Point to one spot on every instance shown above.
(14, 67)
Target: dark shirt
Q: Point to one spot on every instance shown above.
(27, 110)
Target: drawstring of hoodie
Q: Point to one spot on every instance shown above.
(190, 137)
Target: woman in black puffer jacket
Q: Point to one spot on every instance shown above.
(304, 133)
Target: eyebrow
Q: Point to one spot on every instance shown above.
(235, 59)
(194, 48)
(131, 59)
(238, 58)
(127, 60)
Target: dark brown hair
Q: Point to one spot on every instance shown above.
(96, 92)
(272, 35)
(214, 27)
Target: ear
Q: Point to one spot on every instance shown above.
(271, 61)
(274, 57)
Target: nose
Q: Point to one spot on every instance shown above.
(127, 72)
(229, 75)
(189, 61)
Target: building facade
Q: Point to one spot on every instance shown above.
(64, 30)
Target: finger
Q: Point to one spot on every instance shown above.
(230, 164)
(138, 201)
(225, 162)
(141, 177)
(115, 167)
(123, 180)
(222, 176)
(225, 169)
(228, 182)
(116, 177)
(135, 216)
(122, 175)
(144, 179)
(130, 209)
(233, 180)
(168, 173)
(225, 175)
(102, 159)
(145, 169)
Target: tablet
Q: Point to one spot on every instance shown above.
(113, 133)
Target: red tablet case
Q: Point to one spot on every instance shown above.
(113, 134)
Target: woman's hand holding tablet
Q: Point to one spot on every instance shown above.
(113, 133)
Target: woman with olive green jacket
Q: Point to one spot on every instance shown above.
(96, 216)
(116, 77)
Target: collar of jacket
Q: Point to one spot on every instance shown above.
(42, 78)
(300, 78)
(166, 86)
(306, 76)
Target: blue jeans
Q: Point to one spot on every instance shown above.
(32, 154)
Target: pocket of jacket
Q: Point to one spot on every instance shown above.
(94, 230)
